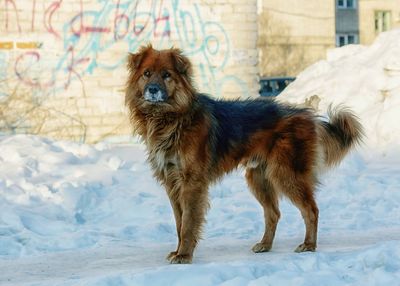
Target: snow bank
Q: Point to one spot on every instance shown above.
(74, 214)
(60, 195)
(367, 79)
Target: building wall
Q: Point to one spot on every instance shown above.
(62, 63)
(294, 34)
(367, 10)
(347, 21)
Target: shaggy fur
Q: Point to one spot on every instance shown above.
(193, 140)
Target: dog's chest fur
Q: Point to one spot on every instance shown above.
(164, 156)
(161, 161)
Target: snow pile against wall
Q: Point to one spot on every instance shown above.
(366, 79)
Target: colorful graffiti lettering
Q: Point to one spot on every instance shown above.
(48, 17)
(92, 32)
(7, 8)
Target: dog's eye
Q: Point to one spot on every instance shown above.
(147, 73)
(166, 75)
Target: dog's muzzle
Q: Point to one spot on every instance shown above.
(154, 93)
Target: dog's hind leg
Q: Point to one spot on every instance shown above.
(300, 191)
(309, 210)
(265, 193)
(291, 169)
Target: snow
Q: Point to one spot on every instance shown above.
(366, 79)
(76, 214)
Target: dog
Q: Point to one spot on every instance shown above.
(192, 140)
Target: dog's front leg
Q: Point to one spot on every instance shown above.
(173, 190)
(178, 221)
(193, 201)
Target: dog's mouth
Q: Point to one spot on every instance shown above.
(153, 93)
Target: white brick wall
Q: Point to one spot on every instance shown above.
(71, 66)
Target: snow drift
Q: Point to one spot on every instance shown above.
(366, 79)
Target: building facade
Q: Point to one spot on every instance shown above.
(294, 34)
(346, 24)
(360, 21)
(377, 16)
(63, 63)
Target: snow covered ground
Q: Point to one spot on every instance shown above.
(75, 214)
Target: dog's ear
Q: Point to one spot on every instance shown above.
(135, 59)
(181, 63)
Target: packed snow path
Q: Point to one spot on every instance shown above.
(354, 258)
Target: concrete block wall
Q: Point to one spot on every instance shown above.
(62, 63)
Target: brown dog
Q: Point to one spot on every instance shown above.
(193, 140)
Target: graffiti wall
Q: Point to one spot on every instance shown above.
(62, 63)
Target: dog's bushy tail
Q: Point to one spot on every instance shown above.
(339, 135)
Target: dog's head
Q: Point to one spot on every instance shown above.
(159, 80)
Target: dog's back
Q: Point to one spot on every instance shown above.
(235, 122)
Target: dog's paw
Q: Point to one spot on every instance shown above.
(305, 247)
(171, 255)
(261, 247)
(180, 259)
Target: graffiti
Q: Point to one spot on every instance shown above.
(83, 28)
(93, 39)
(90, 33)
(27, 59)
(9, 3)
(33, 15)
(71, 66)
(48, 18)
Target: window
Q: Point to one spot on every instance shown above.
(346, 4)
(342, 41)
(382, 21)
(346, 39)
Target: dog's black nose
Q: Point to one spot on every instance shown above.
(153, 88)
(154, 93)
